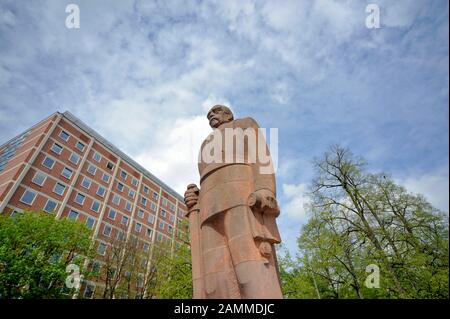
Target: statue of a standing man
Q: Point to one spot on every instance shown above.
(232, 215)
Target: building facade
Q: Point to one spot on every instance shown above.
(63, 167)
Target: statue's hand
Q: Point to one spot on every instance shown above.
(265, 201)
(191, 195)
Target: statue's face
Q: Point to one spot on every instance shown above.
(217, 116)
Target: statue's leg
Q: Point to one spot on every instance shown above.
(257, 278)
(219, 276)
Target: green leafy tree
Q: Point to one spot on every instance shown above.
(174, 274)
(35, 250)
(358, 219)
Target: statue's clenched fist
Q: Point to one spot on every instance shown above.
(191, 195)
(265, 201)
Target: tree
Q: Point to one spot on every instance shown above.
(174, 274)
(35, 250)
(358, 219)
(127, 270)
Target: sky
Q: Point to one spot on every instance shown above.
(144, 74)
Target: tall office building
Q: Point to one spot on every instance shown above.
(63, 167)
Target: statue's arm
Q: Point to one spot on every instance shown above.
(264, 195)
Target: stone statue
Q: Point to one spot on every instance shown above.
(232, 215)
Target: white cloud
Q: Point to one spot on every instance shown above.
(174, 155)
(211, 100)
(296, 201)
(400, 13)
(434, 186)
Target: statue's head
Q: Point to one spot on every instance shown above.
(218, 115)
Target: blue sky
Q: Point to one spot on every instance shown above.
(144, 73)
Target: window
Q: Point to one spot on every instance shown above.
(109, 166)
(128, 206)
(89, 291)
(73, 215)
(163, 213)
(141, 213)
(120, 187)
(14, 213)
(170, 229)
(50, 206)
(146, 189)
(151, 219)
(146, 246)
(48, 162)
(95, 206)
(124, 220)
(143, 201)
(74, 158)
(120, 235)
(153, 206)
(148, 232)
(80, 146)
(116, 199)
(161, 224)
(131, 193)
(155, 195)
(97, 157)
(164, 201)
(101, 191)
(101, 248)
(107, 230)
(64, 135)
(39, 178)
(28, 197)
(171, 207)
(66, 172)
(91, 169)
(138, 227)
(90, 222)
(112, 214)
(79, 198)
(134, 182)
(96, 267)
(159, 237)
(105, 178)
(59, 188)
(123, 174)
(86, 183)
(57, 148)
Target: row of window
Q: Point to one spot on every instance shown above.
(73, 215)
(87, 182)
(29, 196)
(105, 177)
(107, 230)
(123, 174)
(66, 136)
(10, 150)
(101, 249)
